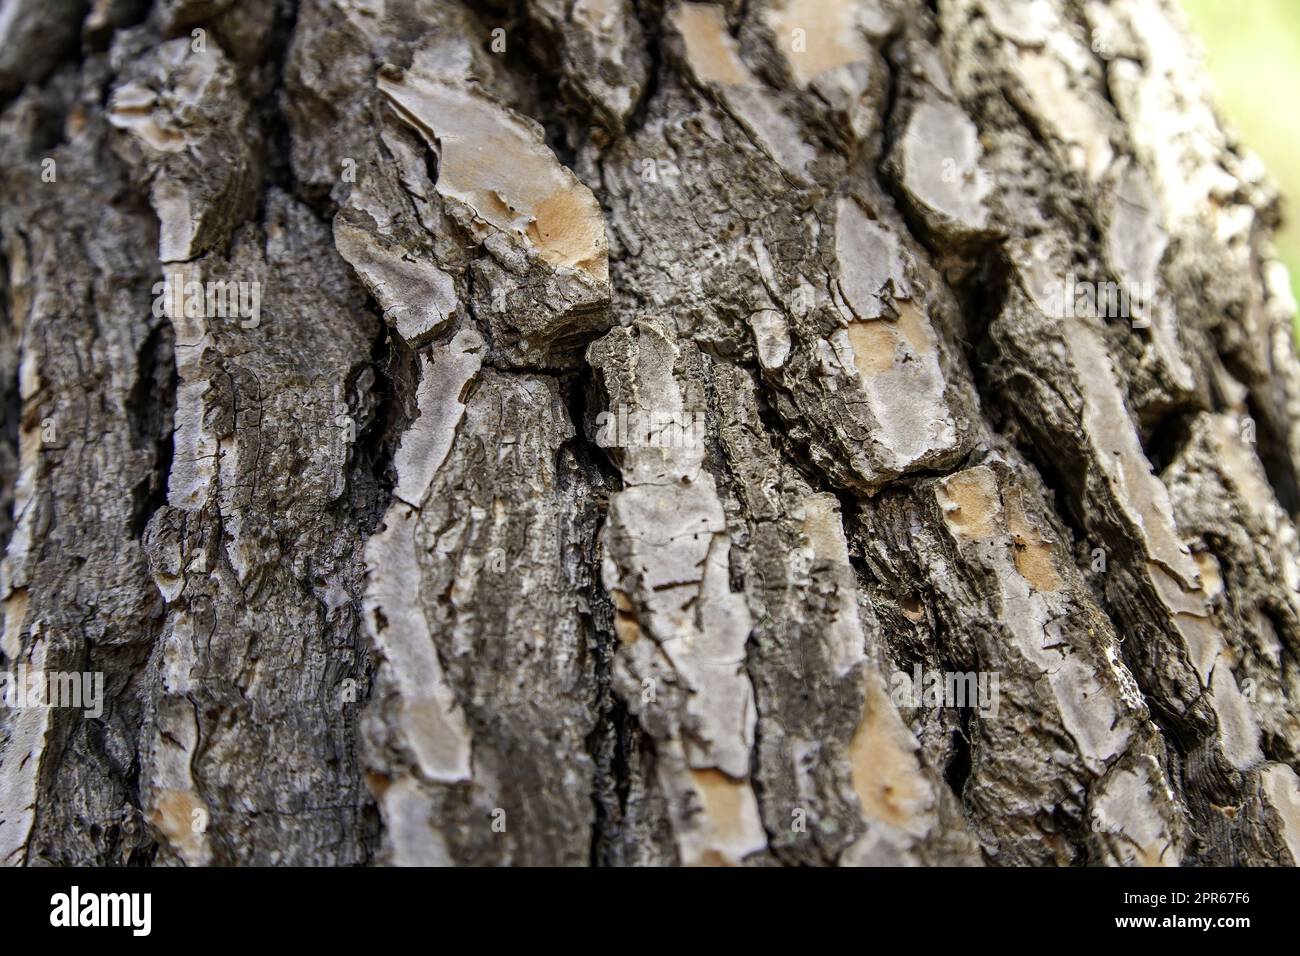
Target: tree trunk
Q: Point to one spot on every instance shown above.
(616, 432)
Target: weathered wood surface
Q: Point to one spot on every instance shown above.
(624, 394)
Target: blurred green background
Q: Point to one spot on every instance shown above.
(1253, 49)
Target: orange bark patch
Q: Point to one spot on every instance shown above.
(874, 342)
(969, 500)
(724, 802)
(174, 816)
(886, 774)
(830, 36)
(568, 228)
(915, 326)
(710, 49)
(625, 622)
(1031, 551)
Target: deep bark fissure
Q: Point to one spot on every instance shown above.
(152, 407)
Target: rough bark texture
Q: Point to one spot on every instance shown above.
(638, 389)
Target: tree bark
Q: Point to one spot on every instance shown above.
(617, 409)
